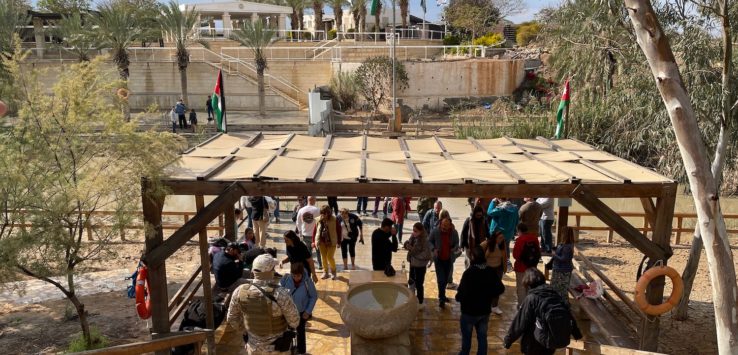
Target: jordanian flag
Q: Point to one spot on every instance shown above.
(562, 107)
(373, 11)
(218, 102)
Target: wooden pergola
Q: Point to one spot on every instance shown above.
(229, 167)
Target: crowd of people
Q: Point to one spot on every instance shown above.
(267, 306)
(179, 118)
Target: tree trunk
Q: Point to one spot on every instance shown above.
(260, 83)
(338, 11)
(318, 10)
(377, 18)
(655, 46)
(183, 83)
(695, 252)
(403, 12)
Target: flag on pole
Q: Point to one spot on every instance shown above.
(422, 5)
(562, 107)
(374, 8)
(218, 102)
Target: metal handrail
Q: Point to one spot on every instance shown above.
(278, 53)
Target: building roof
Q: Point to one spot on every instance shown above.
(363, 160)
(237, 7)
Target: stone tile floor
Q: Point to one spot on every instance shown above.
(435, 331)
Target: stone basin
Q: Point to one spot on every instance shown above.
(378, 310)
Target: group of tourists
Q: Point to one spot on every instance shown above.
(178, 115)
(268, 306)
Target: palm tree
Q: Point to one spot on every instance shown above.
(77, 35)
(298, 7)
(377, 17)
(358, 10)
(318, 10)
(257, 38)
(118, 28)
(181, 27)
(337, 6)
(404, 4)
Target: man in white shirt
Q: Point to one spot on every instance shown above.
(305, 224)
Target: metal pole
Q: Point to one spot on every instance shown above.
(394, 59)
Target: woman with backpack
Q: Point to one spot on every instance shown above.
(418, 254)
(563, 265)
(527, 254)
(543, 320)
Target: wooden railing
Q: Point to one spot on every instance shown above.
(164, 343)
(585, 347)
(678, 226)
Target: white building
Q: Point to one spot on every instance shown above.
(218, 19)
(385, 19)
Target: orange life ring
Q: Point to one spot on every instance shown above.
(123, 93)
(143, 302)
(646, 278)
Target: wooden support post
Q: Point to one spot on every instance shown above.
(562, 223)
(661, 236)
(650, 209)
(230, 223)
(207, 290)
(152, 205)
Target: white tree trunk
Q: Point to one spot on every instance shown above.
(655, 46)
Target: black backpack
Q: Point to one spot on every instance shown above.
(531, 254)
(194, 318)
(553, 323)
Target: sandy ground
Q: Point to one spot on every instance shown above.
(44, 327)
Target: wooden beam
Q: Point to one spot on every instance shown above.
(328, 142)
(597, 348)
(153, 204)
(500, 164)
(165, 343)
(650, 209)
(229, 214)
(207, 288)
(177, 298)
(288, 140)
(257, 137)
(403, 144)
(258, 172)
(156, 256)
(661, 236)
(362, 174)
(207, 174)
(313, 174)
(364, 142)
(572, 179)
(216, 136)
(413, 172)
(381, 188)
(607, 172)
(589, 200)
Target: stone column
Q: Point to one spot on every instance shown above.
(38, 34)
(227, 25)
(282, 22)
(198, 26)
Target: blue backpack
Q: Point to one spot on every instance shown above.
(131, 289)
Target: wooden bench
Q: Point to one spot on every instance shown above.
(612, 328)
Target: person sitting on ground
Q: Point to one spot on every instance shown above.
(494, 252)
(249, 239)
(228, 268)
(418, 254)
(298, 252)
(478, 287)
(264, 310)
(303, 292)
(544, 321)
(384, 243)
(253, 253)
(352, 230)
(527, 254)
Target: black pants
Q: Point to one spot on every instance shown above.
(348, 246)
(361, 203)
(417, 274)
(182, 122)
(333, 203)
(301, 342)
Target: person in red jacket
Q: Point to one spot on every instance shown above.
(400, 207)
(527, 254)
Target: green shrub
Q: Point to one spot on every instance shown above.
(351, 31)
(451, 40)
(307, 36)
(527, 32)
(489, 40)
(78, 344)
(332, 33)
(345, 90)
(374, 77)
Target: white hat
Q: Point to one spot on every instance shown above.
(264, 263)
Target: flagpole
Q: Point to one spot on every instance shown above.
(394, 59)
(566, 114)
(222, 93)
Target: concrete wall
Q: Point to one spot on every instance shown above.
(158, 83)
(436, 85)
(303, 74)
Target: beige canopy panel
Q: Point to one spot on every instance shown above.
(296, 158)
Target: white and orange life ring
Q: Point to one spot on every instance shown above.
(143, 301)
(646, 278)
(123, 93)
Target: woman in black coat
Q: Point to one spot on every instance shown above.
(352, 229)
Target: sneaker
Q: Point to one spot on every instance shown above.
(325, 276)
(333, 277)
(496, 310)
(451, 286)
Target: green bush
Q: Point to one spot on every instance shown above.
(489, 40)
(332, 33)
(527, 32)
(351, 31)
(307, 36)
(451, 40)
(374, 77)
(345, 90)
(78, 344)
